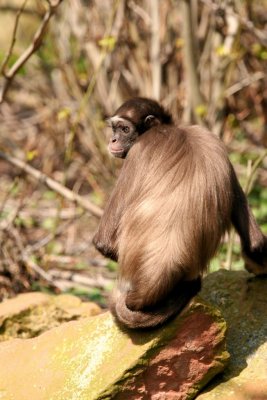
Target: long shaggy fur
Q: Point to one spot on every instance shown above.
(175, 197)
(176, 207)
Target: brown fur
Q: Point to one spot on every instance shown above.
(166, 225)
(151, 317)
(176, 196)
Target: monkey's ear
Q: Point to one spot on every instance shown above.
(151, 120)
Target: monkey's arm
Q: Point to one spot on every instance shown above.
(105, 239)
(253, 241)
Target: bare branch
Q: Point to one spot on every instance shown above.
(195, 97)
(221, 68)
(236, 87)
(26, 258)
(155, 49)
(33, 47)
(13, 39)
(252, 172)
(260, 35)
(12, 8)
(97, 282)
(52, 184)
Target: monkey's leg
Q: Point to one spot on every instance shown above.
(253, 241)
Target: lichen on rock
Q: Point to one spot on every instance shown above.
(30, 314)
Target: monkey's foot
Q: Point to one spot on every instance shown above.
(256, 262)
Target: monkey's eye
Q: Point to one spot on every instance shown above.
(126, 129)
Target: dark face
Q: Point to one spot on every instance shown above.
(132, 119)
(123, 136)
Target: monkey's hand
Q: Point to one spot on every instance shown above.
(256, 259)
(105, 248)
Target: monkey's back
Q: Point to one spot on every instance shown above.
(177, 204)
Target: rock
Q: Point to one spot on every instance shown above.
(242, 299)
(30, 314)
(95, 359)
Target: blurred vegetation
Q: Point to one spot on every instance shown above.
(205, 60)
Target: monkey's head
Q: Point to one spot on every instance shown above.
(132, 119)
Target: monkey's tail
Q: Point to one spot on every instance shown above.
(156, 316)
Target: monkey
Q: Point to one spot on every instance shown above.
(176, 196)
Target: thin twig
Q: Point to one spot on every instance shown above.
(5, 200)
(221, 71)
(11, 8)
(155, 48)
(236, 87)
(32, 48)
(13, 39)
(254, 167)
(97, 282)
(8, 221)
(140, 12)
(27, 260)
(51, 236)
(192, 79)
(52, 184)
(230, 247)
